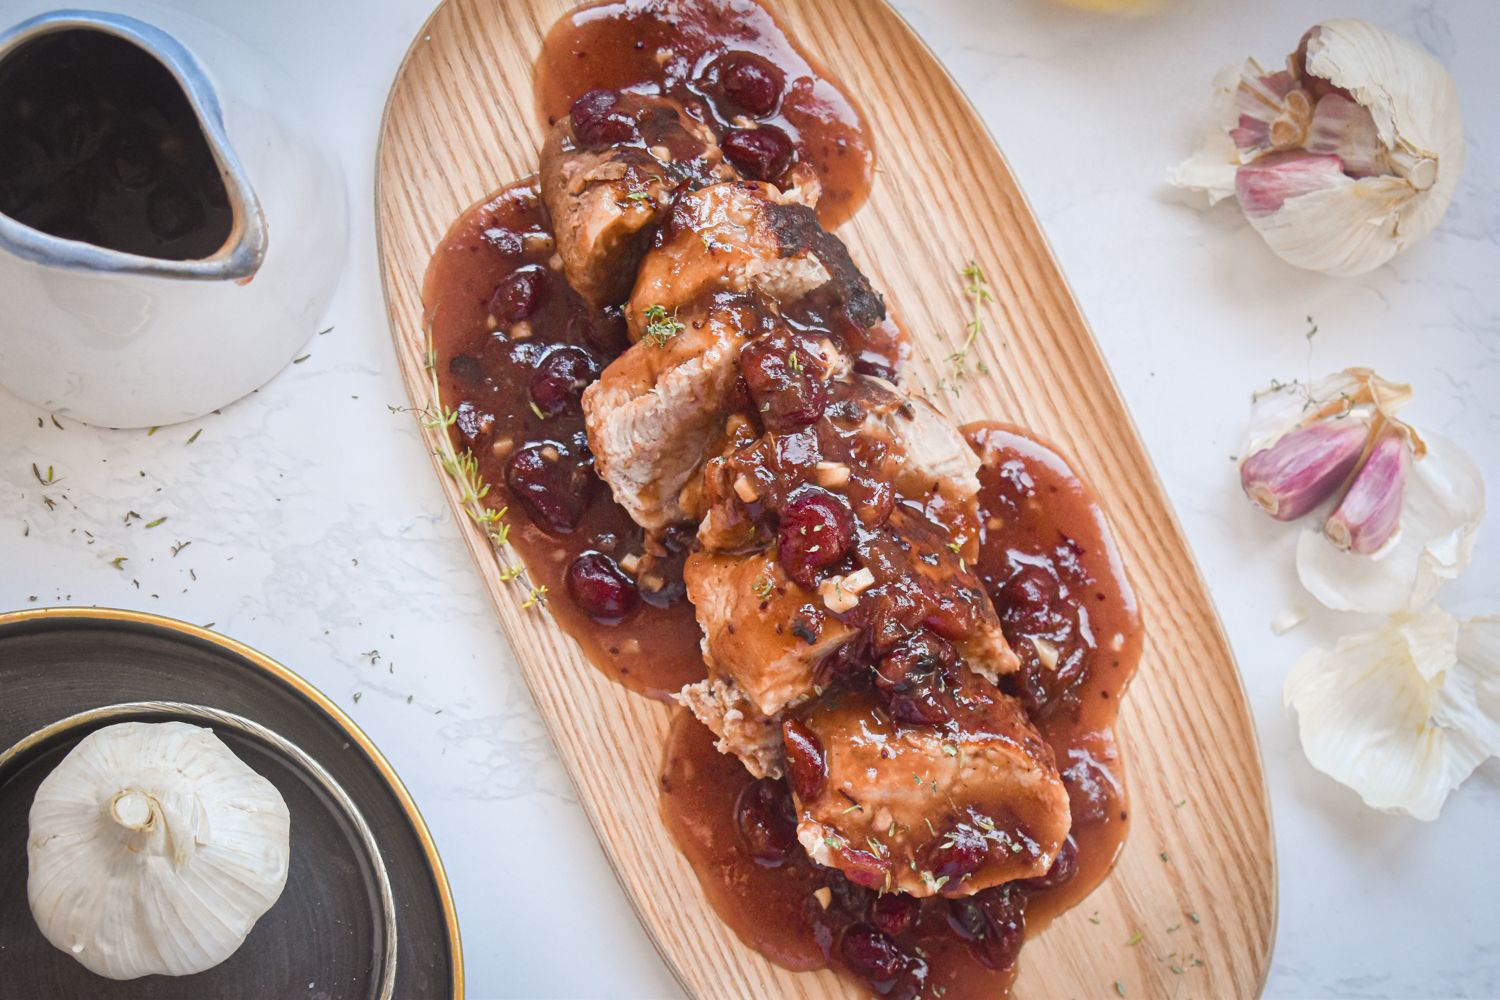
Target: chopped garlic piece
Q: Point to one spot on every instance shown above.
(841, 593)
(824, 896)
(631, 563)
(832, 475)
(1046, 652)
(745, 489)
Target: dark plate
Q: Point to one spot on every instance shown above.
(322, 938)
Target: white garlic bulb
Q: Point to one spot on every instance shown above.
(154, 849)
(1343, 159)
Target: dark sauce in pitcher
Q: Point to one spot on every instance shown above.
(99, 144)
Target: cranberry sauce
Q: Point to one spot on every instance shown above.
(1049, 564)
(515, 346)
(101, 146)
(732, 66)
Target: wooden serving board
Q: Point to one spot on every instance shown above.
(1200, 856)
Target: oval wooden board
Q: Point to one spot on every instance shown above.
(1200, 856)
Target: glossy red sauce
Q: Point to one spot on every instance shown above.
(681, 48)
(1047, 559)
(490, 379)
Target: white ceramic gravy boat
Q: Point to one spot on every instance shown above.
(125, 340)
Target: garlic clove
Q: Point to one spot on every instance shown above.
(1440, 516)
(1405, 713)
(1370, 512)
(1343, 129)
(1263, 187)
(1304, 468)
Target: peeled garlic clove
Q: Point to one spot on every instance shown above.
(1382, 108)
(1405, 713)
(1440, 516)
(1304, 468)
(1369, 514)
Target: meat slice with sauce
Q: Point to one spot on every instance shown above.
(656, 410)
(609, 170)
(873, 443)
(948, 809)
(748, 236)
(741, 729)
(760, 629)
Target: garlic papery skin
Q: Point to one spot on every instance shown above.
(1405, 713)
(154, 849)
(1343, 159)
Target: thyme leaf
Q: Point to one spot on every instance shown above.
(661, 326)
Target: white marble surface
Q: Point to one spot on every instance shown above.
(317, 532)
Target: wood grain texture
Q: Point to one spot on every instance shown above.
(460, 123)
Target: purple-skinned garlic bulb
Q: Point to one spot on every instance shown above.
(1370, 513)
(1343, 158)
(1305, 468)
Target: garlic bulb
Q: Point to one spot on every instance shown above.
(1405, 507)
(1405, 713)
(154, 849)
(1343, 159)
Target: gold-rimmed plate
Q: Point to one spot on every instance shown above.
(360, 851)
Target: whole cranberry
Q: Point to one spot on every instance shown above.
(554, 484)
(806, 766)
(894, 913)
(519, 294)
(817, 529)
(766, 821)
(1004, 909)
(785, 381)
(598, 123)
(918, 654)
(560, 378)
(862, 867)
(761, 154)
(750, 83)
(466, 368)
(961, 852)
(599, 587)
(920, 707)
(1064, 867)
(870, 952)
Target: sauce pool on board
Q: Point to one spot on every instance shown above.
(1048, 561)
(731, 65)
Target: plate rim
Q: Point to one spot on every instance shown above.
(289, 678)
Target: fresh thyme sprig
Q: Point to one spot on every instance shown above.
(977, 288)
(463, 468)
(661, 326)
